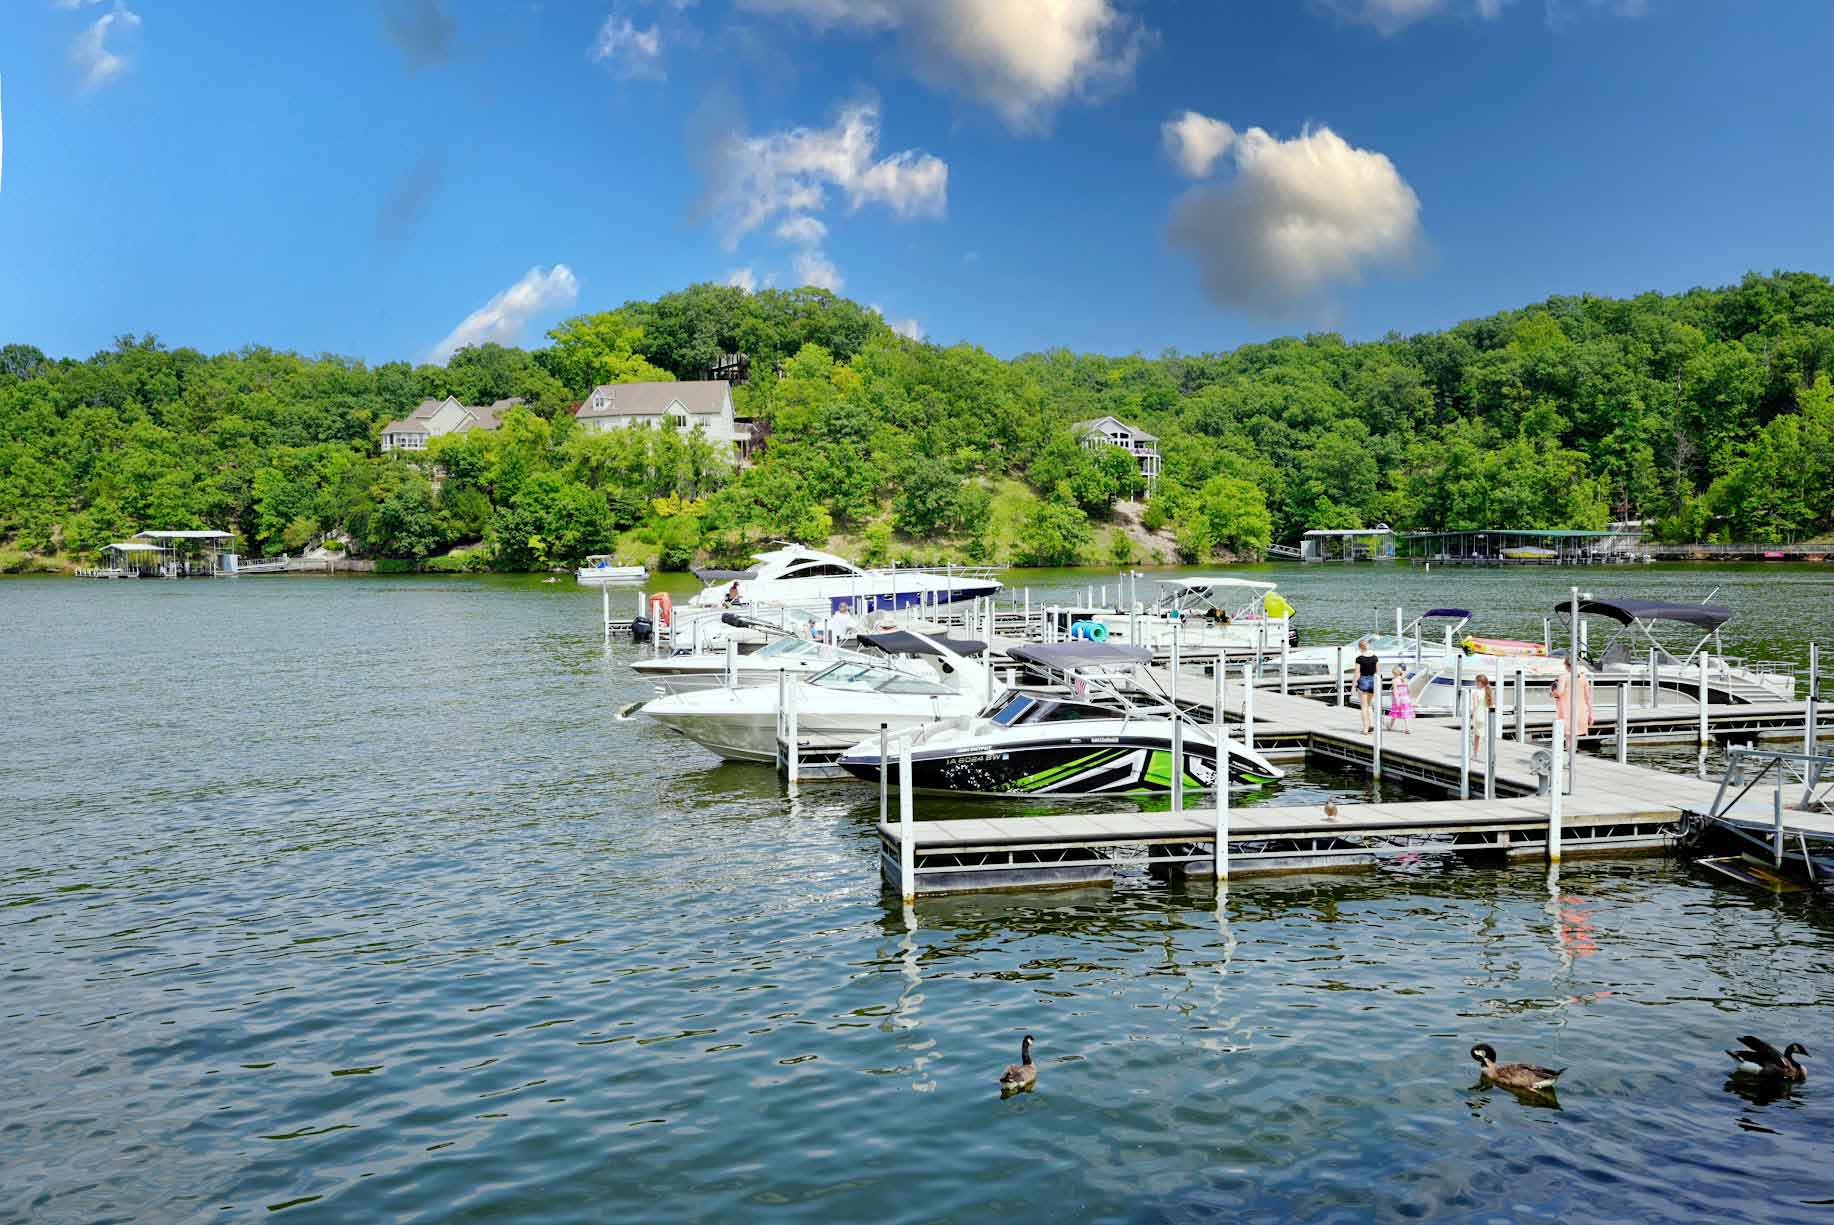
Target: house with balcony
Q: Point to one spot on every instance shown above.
(1113, 432)
(706, 403)
(435, 418)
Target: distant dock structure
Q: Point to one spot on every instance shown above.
(167, 554)
(1348, 544)
(1524, 547)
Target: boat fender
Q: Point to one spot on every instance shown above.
(1092, 631)
(662, 608)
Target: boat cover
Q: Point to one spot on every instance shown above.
(1446, 612)
(1064, 656)
(903, 642)
(1624, 612)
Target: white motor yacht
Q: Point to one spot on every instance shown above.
(784, 654)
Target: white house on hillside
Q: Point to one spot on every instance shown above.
(434, 418)
(682, 406)
(1113, 432)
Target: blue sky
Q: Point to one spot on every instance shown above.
(388, 178)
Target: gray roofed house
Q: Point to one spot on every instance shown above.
(706, 403)
(1113, 432)
(434, 418)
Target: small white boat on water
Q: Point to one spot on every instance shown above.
(599, 571)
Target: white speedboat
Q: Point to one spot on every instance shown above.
(1209, 613)
(794, 657)
(1044, 744)
(841, 705)
(599, 570)
(1626, 655)
(1411, 647)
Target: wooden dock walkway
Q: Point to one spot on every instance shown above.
(1612, 808)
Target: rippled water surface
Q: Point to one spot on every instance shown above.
(349, 898)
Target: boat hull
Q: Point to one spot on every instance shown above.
(1111, 766)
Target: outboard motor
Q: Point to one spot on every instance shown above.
(641, 629)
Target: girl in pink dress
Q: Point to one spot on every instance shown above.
(1401, 702)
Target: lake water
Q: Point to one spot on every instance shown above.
(349, 899)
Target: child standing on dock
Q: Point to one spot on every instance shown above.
(1401, 702)
(1366, 665)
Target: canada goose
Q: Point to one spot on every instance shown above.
(1514, 1075)
(1023, 1074)
(1760, 1058)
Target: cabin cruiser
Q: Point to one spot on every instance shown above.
(1208, 612)
(819, 583)
(599, 570)
(1626, 655)
(1092, 740)
(840, 705)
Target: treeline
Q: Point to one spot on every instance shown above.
(1709, 414)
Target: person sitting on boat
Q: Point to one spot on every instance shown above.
(1219, 615)
(732, 594)
(1401, 702)
(840, 625)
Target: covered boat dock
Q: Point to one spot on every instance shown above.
(1523, 546)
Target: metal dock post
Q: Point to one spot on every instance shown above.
(1375, 705)
(792, 735)
(1340, 674)
(1248, 707)
(1521, 707)
(1811, 727)
(605, 592)
(1701, 744)
(1177, 731)
(1283, 649)
(885, 770)
(1655, 691)
(1553, 794)
(1222, 773)
(1776, 808)
(1464, 746)
(907, 853)
(1492, 718)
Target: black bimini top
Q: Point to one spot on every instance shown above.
(902, 642)
(1064, 656)
(1463, 613)
(1624, 612)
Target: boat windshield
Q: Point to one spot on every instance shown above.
(1024, 709)
(783, 648)
(871, 678)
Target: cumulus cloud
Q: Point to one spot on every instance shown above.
(815, 268)
(1393, 16)
(910, 329)
(745, 278)
(802, 229)
(1024, 58)
(503, 317)
(421, 28)
(1194, 142)
(792, 171)
(628, 50)
(1297, 216)
(97, 63)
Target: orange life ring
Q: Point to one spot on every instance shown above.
(662, 608)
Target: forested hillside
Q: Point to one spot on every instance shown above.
(1710, 413)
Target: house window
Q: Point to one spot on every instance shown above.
(677, 421)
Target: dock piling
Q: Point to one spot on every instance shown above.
(1375, 744)
(791, 736)
(605, 592)
(885, 771)
(1811, 727)
(907, 841)
(1340, 674)
(1464, 746)
(1553, 794)
(1521, 707)
(1704, 735)
(732, 664)
(1248, 706)
(1283, 649)
(1177, 731)
(1655, 692)
(1221, 857)
(1492, 717)
(1623, 723)
(1776, 808)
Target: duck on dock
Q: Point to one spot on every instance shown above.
(1022, 1075)
(1520, 1076)
(1760, 1058)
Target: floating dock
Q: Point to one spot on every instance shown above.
(1519, 811)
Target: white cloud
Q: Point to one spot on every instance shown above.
(745, 278)
(791, 172)
(629, 51)
(1194, 142)
(72, 5)
(815, 268)
(1024, 58)
(90, 52)
(503, 317)
(910, 329)
(1393, 16)
(809, 231)
(1297, 216)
